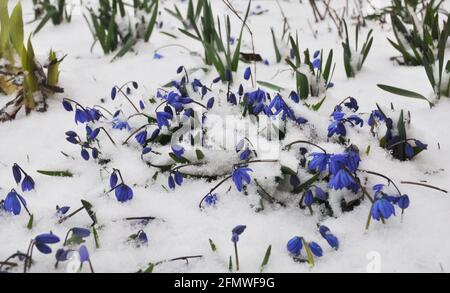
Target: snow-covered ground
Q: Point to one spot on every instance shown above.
(417, 243)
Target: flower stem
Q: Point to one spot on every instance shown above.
(288, 146)
(70, 215)
(236, 255)
(424, 185)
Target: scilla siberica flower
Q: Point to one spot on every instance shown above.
(41, 242)
(295, 245)
(247, 73)
(27, 182)
(163, 118)
(178, 151)
(341, 166)
(122, 191)
(240, 177)
(315, 249)
(338, 124)
(256, 100)
(236, 232)
(211, 199)
(329, 237)
(13, 202)
(382, 208)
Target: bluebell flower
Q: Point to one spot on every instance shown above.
(316, 54)
(228, 75)
(196, 84)
(141, 137)
(321, 194)
(141, 105)
(178, 178)
(245, 155)
(171, 182)
(81, 116)
(83, 253)
(157, 56)
(295, 245)
(308, 198)
(211, 199)
(403, 202)
(409, 150)
(232, 99)
(178, 151)
(146, 150)
(142, 238)
(62, 254)
(163, 118)
(247, 73)
(61, 211)
(155, 134)
(337, 127)
(294, 181)
(113, 93)
(382, 208)
(236, 232)
(67, 106)
(294, 97)
(216, 80)
(13, 202)
(119, 124)
(375, 117)
(378, 188)
(210, 103)
(315, 249)
(81, 232)
(180, 69)
(27, 183)
(41, 242)
(420, 144)
(316, 63)
(352, 104)
(135, 85)
(240, 177)
(355, 119)
(329, 237)
(319, 162)
(330, 85)
(123, 193)
(204, 91)
(85, 154)
(341, 180)
(94, 133)
(17, 173)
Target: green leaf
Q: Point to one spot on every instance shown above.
(275, 46)
(126, 47)
(317, 106)
(44, 20)
(151, 24)
(308, 253)
(212, 245)
(16, 28)
(199, 154)
(270, 85)
(149, 269)
(55, 173)
(88, 207)
(96, 238)
(404, 93)
(181, 160)
(230, 265)
(288, 171)
(30, 222)
(266, 258)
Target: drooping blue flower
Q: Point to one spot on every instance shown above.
(27, 183)
(85, 154)
(316, 54)
(210, 103)
(295, 245)
(340, 180)
(247, 73)
(236, 232)
(316, 249)
(141, 137)
(41, 242)
(62, 254)
(163, 119)
(178, 178)
(240, 177)
(12, 202)
(245, 155)
(178, 151)
(321, 194)
(329, 237)
(157, 56)
(81, 116)
(17, 173)
(375, 116)
(67, 106)
(420, 144)
(119, 124)
(294, 181)
(294, 97)
(352, 104)
(142, 238)
(211, 199)
(232, 99)
(83, 253)
(309, 198)
(81, 232)
(316, 63)
(113, 179)
(382, 208)
(356, 120)
(171, 182)
(113, 93)
(319, 162)
(337, 127)
(409, 150)
(123, 193)
(403, 202)
(60, 211)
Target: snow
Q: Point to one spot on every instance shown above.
(418, 242)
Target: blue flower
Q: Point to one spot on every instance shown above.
(81, 116)
(316, 249)
(142, 238)
(60, 211)
(12, 202)
(321, 194)
(340, 180)
(163, 118)
(294, 181)
(85, 154)
(403, 202)
(81, 232)
(420, 144)
(352, 104)
(245, 155)
(211, 199)
(42, 240)
(141, 137)
(382, 208)
(375, 117)
(240, 177)
(329, 237)
(247, 73)
(113, 93)
(316, 63)
(171, 182)
(337, 127)
(157, 56)
(236, 232)
(178, 178)
(83, 253)
(319, 162)
(295, 245)
(119, 124)
(113, 179)
(316, 54)
(62, 254)
(27, 183)
(409, 150)
(294, 97)
(67, 106)
(210, 103)
(309, 198)
(17, 173)
(123, 193)
(178, 151)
